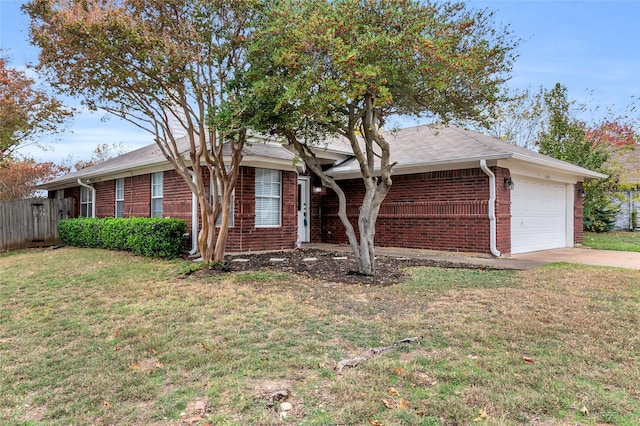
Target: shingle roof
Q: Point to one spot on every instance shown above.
(150, 156)
(426, 146)
(421, 147)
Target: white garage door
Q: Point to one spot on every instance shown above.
(538, 215)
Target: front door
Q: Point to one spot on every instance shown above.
(304, 217)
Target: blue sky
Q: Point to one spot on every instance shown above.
(592, 47)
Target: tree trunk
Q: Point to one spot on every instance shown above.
(207, 234)
(223, 230)
(375, 192)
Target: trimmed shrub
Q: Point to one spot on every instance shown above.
(152, 237)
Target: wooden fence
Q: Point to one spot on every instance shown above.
(32, 223)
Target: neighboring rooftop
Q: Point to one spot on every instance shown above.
(629, 160)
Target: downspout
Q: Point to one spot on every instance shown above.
(93, 196)
(194, 219)
(492, 207)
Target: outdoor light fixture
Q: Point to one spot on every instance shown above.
(581, 193)
(508, 183)
(317, 189)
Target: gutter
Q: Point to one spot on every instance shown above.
(194, 219)
(492, 207)
(93, 196)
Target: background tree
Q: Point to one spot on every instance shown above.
(518, 119)
(101, 153)
(567, 138)
(322, 69)
(26, 113)
(163, 66)
(614, 133)
(19, 178)
(523, 115)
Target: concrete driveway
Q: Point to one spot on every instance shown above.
(585, 256)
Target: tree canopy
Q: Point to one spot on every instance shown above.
(26, 112)
(19, 178)
(163, 66)
(569, 139)
(343, 67)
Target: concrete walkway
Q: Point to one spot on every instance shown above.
(585, 256)
(620, 259)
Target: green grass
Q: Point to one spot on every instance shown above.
(98, 337)
(620, 241)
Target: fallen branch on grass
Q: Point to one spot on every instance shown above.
(373, 352)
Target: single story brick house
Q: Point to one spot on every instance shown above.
(453, 190)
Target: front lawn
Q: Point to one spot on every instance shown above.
(98, 337)
(620, 241)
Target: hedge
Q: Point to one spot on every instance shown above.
(153, 237)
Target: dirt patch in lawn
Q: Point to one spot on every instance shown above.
(331, 266)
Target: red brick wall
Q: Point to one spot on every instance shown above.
(503, 211)
(316, 207)
(176, 202)
(437, 210)
(243, 236)
(137, 196)
(105, 198)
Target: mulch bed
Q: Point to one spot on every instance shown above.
(330, 266)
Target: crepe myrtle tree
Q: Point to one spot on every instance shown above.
(163, 66)
(341, 68)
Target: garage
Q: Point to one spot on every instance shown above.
(541, 215)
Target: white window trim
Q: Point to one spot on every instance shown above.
(121, 180)
(278, 197)
(86, 199)
(155, 196)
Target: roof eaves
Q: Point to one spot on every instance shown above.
(397, 170)
(101, 172)
(559, 164)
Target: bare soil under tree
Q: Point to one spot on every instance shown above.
(332, 266)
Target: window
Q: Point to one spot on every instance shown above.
(231, 207)
(268, 197)
(119, 197)
(156, 194)
(86, 202)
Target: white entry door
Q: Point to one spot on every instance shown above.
(304, 216)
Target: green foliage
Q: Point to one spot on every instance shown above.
(26, 112)
(323, 69)
(324, 60)
(566, 138)
(152, 237)
(599, 215)
(162, 66)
